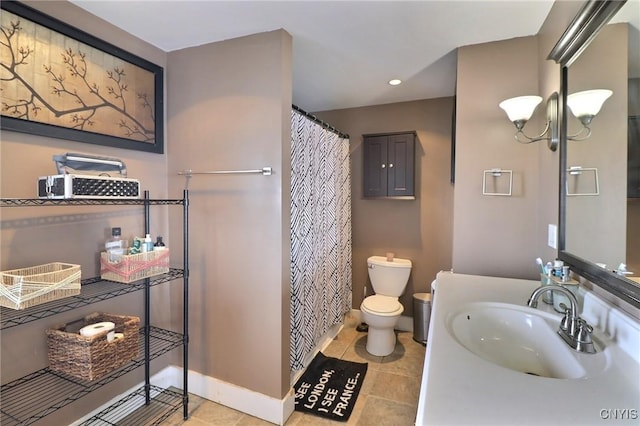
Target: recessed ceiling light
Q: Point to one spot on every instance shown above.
(395, 82)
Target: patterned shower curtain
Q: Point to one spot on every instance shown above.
(320, 234)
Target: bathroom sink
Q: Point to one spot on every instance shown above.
(519, 338)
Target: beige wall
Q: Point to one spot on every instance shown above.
(496, 235)
(229, 106)
(418, 229)
(238, 118)
(32, 236)
(473, 233)
(633, 205)
(503, 235)
(596, 225)
(549, 76)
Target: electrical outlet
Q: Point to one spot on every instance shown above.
(552, 237)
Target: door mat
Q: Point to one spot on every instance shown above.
(329, 387)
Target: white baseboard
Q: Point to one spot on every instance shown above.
(242, 399)
(236, 397)
(405, 324)
(167, 377)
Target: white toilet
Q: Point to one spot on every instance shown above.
(382, 310)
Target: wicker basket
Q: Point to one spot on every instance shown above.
(22, 288)
(134, 267)
(90, 358)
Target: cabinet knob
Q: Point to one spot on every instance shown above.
(384, 165)
(390, 165)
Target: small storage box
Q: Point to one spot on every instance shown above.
(129, 268)
(25, 287)
(90, 358)
(87, 186)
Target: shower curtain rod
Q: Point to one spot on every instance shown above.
(324, 124)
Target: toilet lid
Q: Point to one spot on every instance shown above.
(381, 304)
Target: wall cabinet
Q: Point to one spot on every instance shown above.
(389, 165)
(30, 399)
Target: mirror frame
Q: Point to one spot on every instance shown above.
(580, 32)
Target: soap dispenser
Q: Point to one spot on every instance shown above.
(147, 245)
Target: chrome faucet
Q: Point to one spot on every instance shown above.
(574, 330)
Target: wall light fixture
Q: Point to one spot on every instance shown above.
(584, 106)
(520, 109)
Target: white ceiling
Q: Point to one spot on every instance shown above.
(344, 52)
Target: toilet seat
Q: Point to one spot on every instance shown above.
(382, 305)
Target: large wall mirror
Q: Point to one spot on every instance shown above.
(600, 171)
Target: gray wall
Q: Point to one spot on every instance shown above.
(496, 235)
(475, 234)
(33, 236)
(596, 225)
(420, 229)
(633, 204)
(504, 236)
(229, 106)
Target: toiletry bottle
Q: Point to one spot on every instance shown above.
(566, 272)
(115, 246)
(547, 297)
(136, 247)
(159, 245)
(147, 245)
(557, 268)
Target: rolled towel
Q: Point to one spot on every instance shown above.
(97, 328)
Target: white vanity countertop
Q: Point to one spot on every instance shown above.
(460, 388)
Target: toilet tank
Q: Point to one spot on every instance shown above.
(388, 278)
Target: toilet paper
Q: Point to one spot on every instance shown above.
(97, 328)
(118, 336)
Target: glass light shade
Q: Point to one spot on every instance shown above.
(520, 108)
(587, 103)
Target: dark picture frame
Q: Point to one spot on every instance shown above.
(77, 86)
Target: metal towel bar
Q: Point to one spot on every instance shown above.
(265, 171)
(496, 173)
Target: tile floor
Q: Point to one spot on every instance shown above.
(389, 393)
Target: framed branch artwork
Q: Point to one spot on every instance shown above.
(58, 81)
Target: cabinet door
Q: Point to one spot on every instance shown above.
(375, 166)
(400, 152)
